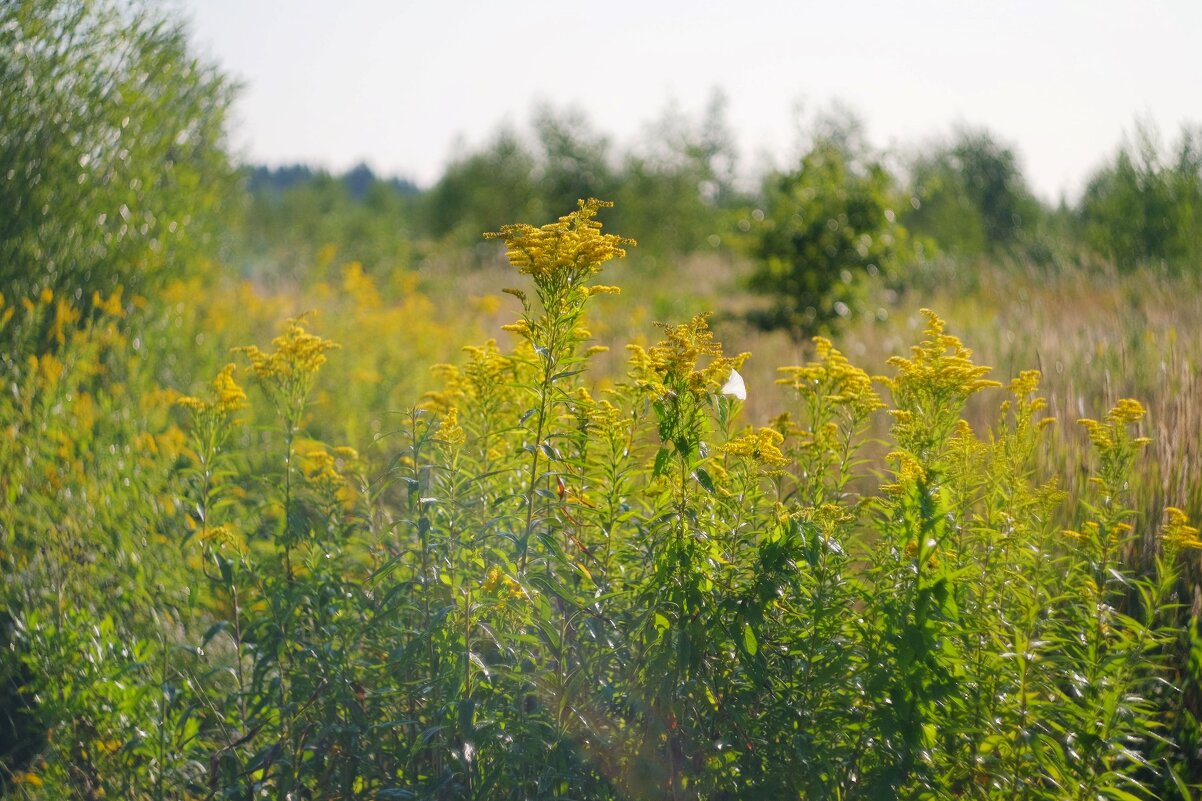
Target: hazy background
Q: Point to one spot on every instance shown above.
(397, 83)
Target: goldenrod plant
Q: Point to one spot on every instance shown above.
(542, 581)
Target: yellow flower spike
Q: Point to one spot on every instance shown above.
(909, 471)
(521, 328)
(226, 396)
(675, 363)
(1126, 411)
(112, 306)
(449, 431)
(297, 353)
(346, 453)
(566, 251)
(65, 316)
(761, 446)
(1176, 533)
(357, 284)
(833, 379)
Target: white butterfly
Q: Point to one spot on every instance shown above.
(734, 386)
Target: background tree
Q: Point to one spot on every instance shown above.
(300, 223)
(826, 226)
(573, 160)
(480, 191)
(677, 182)
(1145, 207)
(972, 198)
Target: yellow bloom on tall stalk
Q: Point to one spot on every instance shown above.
(935, 372)
(687, 360)
(225, 395)
(833, 381)
(1110, 434)
(760, 445)
(682, 373)
(212, 420)
(565, 252)
(297, 354)
(1177, 534)
(1115, 446)
(930, 388)
(287, 373)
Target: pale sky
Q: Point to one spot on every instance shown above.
(396, 83)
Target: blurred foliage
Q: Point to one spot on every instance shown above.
(1145, 207)
(675, 191)
(480, 190)
(112, 164)
(826, 227)
(302, 225)
(970, 196)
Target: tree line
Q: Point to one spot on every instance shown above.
(843, 211)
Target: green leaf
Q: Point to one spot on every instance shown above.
(704, 479)
(750, 643)
(661, 461)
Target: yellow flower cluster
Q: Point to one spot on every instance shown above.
(450, 433)
(930, 389)
(674, 364)
(50, 368)
(223, 536)
(596, 416)
(1107, 435)
(488, 373)
(835, 380)
(112, 305)
(297, 354)
(1177, 534)
(330, 470)
(935, 373)
(225, 395)
(909, 471)
(358, 285)
(497, 582)
(1026, 404)
(761, 445)
(567, 251)
(65, 317)
(1091, 532)
(1027, 383)
(828, 517)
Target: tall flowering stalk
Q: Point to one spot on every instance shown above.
(286, 375)
(559, 258)
(683, 378)
(838, 400)
(917, 665)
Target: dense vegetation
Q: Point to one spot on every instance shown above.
(243, 559)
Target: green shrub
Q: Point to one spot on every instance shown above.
(112, 161)
(826, 228)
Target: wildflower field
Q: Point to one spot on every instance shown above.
(548, 516)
